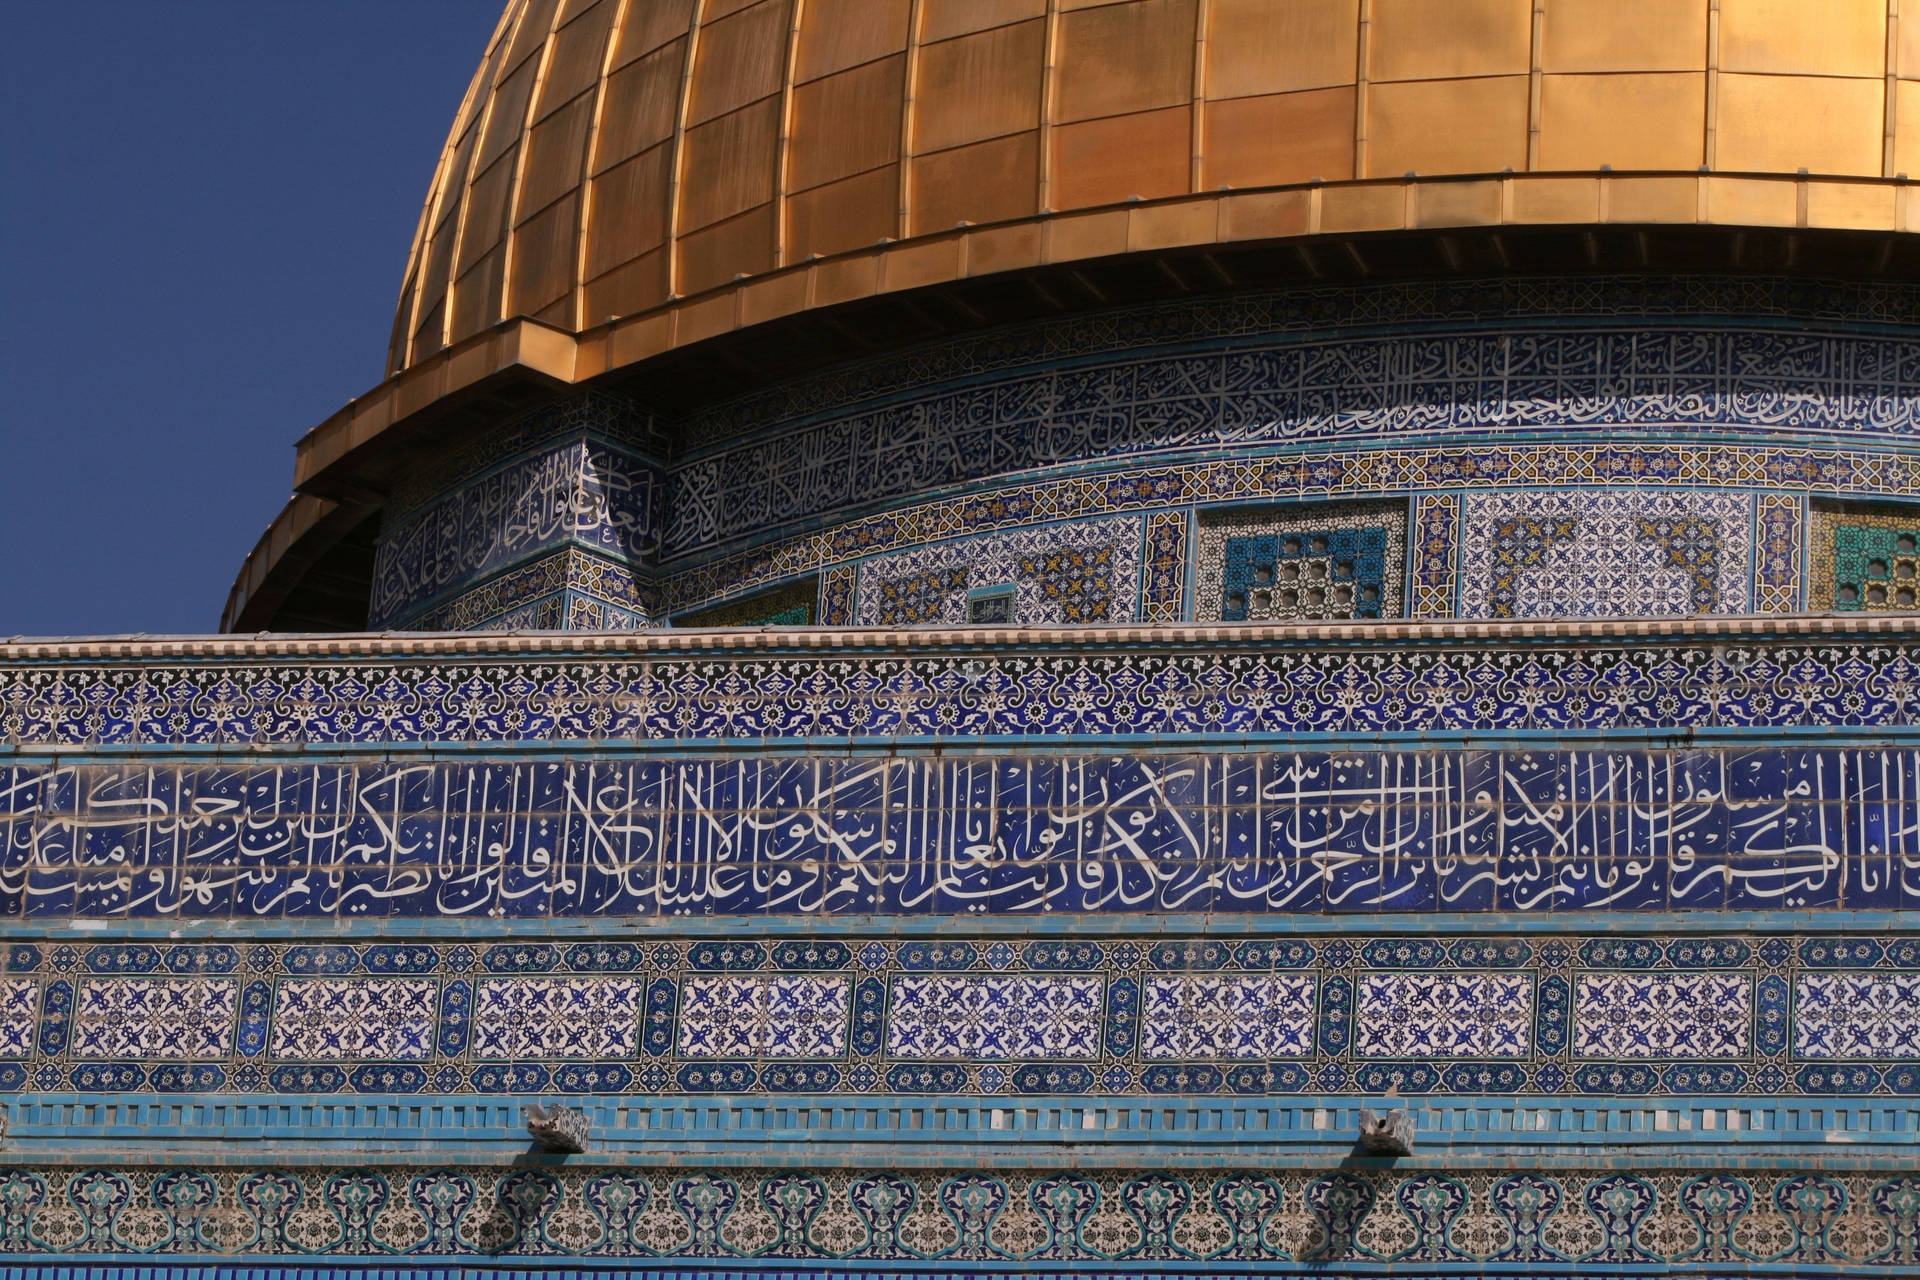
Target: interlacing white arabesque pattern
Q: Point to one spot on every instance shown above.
(1206, 686)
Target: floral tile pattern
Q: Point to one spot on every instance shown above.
(859, 1012)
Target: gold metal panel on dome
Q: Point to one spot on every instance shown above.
(644, 176)
(702, 140)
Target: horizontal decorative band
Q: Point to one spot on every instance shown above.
(835, 1129)
(1528, 831)
(1520, 1222)
(1128, 683)
(1606, 1015)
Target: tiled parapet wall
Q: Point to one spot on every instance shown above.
(1735, 1221)
(461, 536)
(868, 1012)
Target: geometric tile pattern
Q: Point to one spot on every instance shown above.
(1279, 685)
(1340, 561)
(1779, 530)
(556, 1018)
(1142, 1013)
(1435, 526)
(1605, 554)
(1867, 561)
(1060, 575)
(332, 1020)
(569, 589)
(156, 1018)
(1557, 468)
(1163, 585)
(1227, 1017)
(1635, 1015)
(1270, 828)
(1857, 1015)
(754, 1017)
(1336, 1223)
(1427, 1015)
(994, 1018)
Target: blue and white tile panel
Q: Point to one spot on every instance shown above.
(1612, 1013)
(1634, 1015)
(759, 1017)
(1847, 1016)
(354, 1019)
(1227, 1018)
(557, 1018)
(995, 1019)
(155, 1018)
(1430, 1015)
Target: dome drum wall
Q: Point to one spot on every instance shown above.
(1547, 447)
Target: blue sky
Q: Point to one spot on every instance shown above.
(205, 207)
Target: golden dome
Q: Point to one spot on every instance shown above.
(685, 197)
(615, 156)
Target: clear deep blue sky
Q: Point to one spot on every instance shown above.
(205, 207)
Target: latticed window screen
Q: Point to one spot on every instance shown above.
(1335, 573)
(1875, 568)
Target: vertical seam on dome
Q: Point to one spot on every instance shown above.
(467, 116)
(1362, 54)
(1196, 127)
(909, 81)
(583, 216)
(509, 305)
(1710, 144)
(782, 160)
(1890, 98)
(466, 183)
(1536, 53)
(680, 154)
(1049, 55)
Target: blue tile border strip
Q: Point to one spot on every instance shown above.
(1133, 684)
(1309, 831)
(1614, 1013)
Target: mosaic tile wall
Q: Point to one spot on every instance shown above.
(1614, 1015)
(467, 541)
(1253, 478)
(793, 605)
(1330, 561)
(1864, 558)
(1053, 575)
(1668, 389)
(1605, 553)
(582, 492)
(1252, 377)
(1683, 675)
(1562, 1222)
(1533, 832)
(564, 590)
